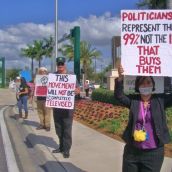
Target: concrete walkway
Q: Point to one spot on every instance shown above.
(91, 151)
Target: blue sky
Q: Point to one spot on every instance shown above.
(42, 11)
(22, 21)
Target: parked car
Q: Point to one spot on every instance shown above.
(96, 86)
(91, 86)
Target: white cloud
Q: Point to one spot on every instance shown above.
(96, 30)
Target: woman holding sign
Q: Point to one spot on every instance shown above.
(43, 111)
(146, 132)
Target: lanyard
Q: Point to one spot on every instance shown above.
(143, 112)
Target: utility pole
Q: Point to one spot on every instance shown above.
(169, 4)
(2, 72)
(75, 33)
(53, 61)
(101, 74)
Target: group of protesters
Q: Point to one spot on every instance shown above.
(145, 134)
(63, 118)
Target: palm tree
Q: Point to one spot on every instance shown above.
(38, 47)
(153, 4)
(49, 46)
(87, 53)
(67, 50)
(29, 52)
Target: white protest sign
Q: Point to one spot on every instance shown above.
(129, 84)
(146, 42)
(41, 82)
(61, 91)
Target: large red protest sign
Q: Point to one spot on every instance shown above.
(61, 91)
(146, 42)
(41, 82)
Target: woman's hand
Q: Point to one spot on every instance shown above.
(120, 72)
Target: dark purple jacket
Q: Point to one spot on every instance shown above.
(158, 104)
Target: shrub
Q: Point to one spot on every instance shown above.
(105, 96)
(169, 115)
(169, 120)
(170, 130)
(103, 124)
(124, 115)
(114, 126)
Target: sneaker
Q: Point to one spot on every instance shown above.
(57, 150)
(66, 155)
(40, 127)
(47, 128)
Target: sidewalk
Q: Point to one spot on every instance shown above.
(91, 151)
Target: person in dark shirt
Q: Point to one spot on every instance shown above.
(63, 118)
(22, 97)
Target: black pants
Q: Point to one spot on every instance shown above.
(63, 120)
(135, 160)
(87, 92)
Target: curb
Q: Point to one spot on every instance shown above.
(9, 153)
(42, 148)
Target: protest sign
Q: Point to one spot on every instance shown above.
(146, 42)
(41, 82)
(129, 84)
(61, 91)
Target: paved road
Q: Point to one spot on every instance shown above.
(25, 155)
(3, 164)
(6, 99)
(15, 151)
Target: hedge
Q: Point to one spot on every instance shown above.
(105, 96)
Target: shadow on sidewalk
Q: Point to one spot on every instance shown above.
(32, 140)
(14, 116)
(30, 123)
(53, 166)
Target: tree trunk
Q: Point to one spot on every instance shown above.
(32, 66)
(85, 72)
(39, 63)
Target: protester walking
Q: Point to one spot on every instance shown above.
(44, 112)
(63, 118)
(86, 87)
(22, 97)
(146, 132)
